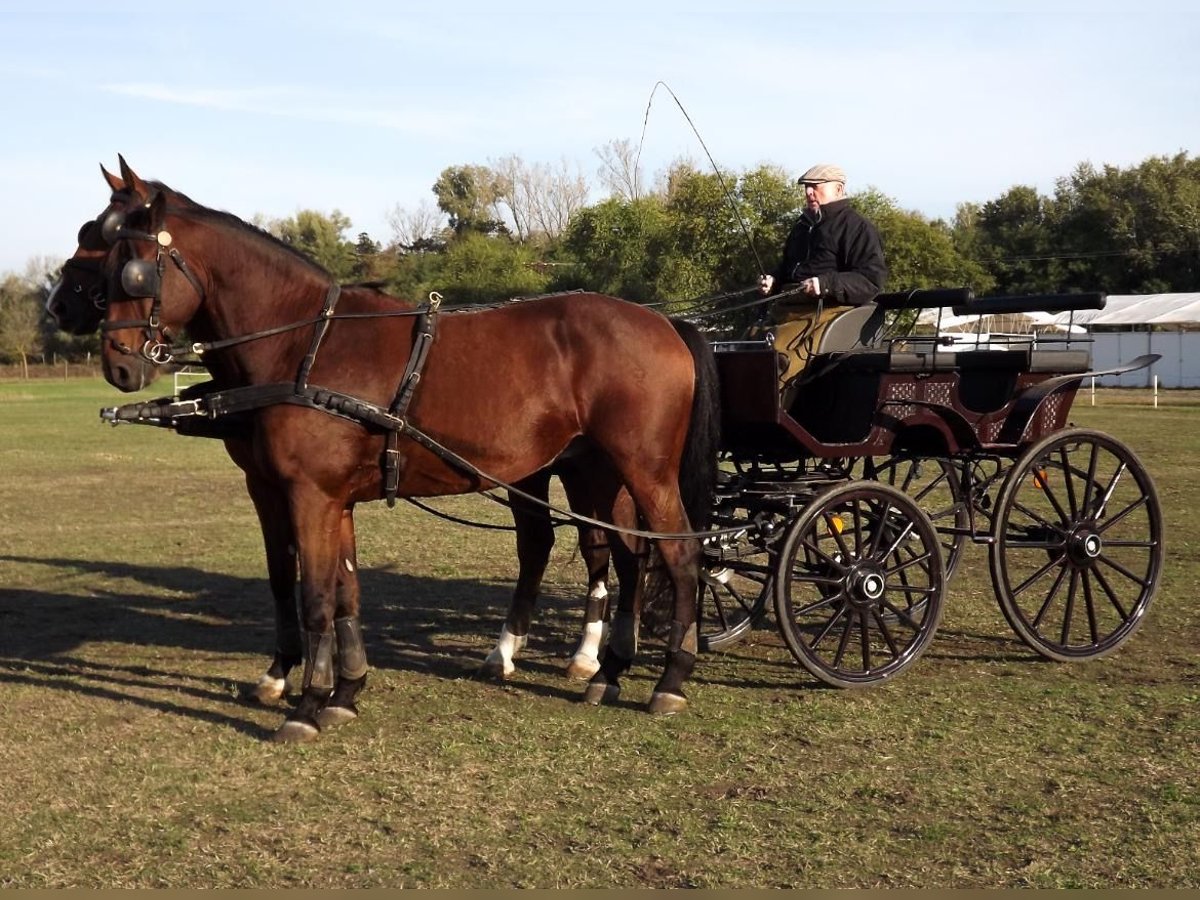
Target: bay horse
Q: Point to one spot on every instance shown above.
(609, 387)
(77, 303)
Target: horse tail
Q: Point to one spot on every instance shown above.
(698, 467)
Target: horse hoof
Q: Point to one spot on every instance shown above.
(598, 692)
(582, 668)
(295, 732)
(496, 666)
(269, 691)
(495, 672)
(662, 704)
(332, 716)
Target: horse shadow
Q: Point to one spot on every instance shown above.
(439, 627)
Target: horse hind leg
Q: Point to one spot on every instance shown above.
(594, 548)
(535, 540)
(347, 631)
(627, 556)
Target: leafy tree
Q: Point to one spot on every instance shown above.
(470, 195)
(481, 269)
(1016, 240)
(920, 253)
(1132, 230)
(617, 247)
(319, 236)
(20, 320)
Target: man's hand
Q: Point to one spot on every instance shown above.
(765, 283)
(811, 286)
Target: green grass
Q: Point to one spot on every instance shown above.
(133, 607)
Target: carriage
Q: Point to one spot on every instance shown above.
(856, 499)
(846, 507)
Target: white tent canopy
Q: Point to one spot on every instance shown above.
(1121, 309)
(1141, 309)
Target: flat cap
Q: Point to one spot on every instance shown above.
(821, 173)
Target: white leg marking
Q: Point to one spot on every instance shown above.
(268, 689)
(501, 658)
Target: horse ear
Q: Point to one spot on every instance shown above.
(133, 183)
(158, 210)
(115, 183)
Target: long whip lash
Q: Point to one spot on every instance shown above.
(720, 177)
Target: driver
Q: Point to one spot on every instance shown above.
(833, 257)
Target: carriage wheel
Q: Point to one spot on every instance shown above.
(936, 485)
(858, 593)
(733, 598)
(1078, 549)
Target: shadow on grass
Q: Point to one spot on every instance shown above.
(438, 627)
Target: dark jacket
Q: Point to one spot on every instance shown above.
(843, 250)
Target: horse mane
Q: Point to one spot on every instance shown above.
(221, 217)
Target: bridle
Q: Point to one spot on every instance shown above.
(141, 278)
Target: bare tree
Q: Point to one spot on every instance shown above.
(620, 169)
(414, 229)
(541, 198)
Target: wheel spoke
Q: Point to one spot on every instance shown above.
(1136, 504)
(1066, 464)
(865, 636)
(813, 607)
(1108, 492)
(1037, 620)
(1050, 564)
(881, 526)
(928, 489)
(824, 557)
(887, 635)
(1067, 616)
(1056, 528)
(842, 644)
(1141, 582)
(1111, 594)
(1041, 479)
(916, 560)
(1090, 606)
(836, 532)
(902, 615)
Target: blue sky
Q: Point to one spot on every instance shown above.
(270, 107)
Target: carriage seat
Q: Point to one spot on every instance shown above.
(856, 328)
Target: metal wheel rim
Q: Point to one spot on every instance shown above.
(828, 574)
(1078, 545)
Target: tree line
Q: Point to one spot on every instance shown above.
(512, 228)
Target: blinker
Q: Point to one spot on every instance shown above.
(139, 278)
(110, 228)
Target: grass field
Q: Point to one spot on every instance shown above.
(133, 607)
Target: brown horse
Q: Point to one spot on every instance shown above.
(607, 387)
(78, 302)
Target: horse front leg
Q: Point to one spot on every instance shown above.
(347, 630)
(535, 540)
(270, 503)
(316, 521)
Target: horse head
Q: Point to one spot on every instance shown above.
(149, 292)
(78, 299)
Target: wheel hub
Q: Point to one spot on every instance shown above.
(866, 586)
(1085, 546)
